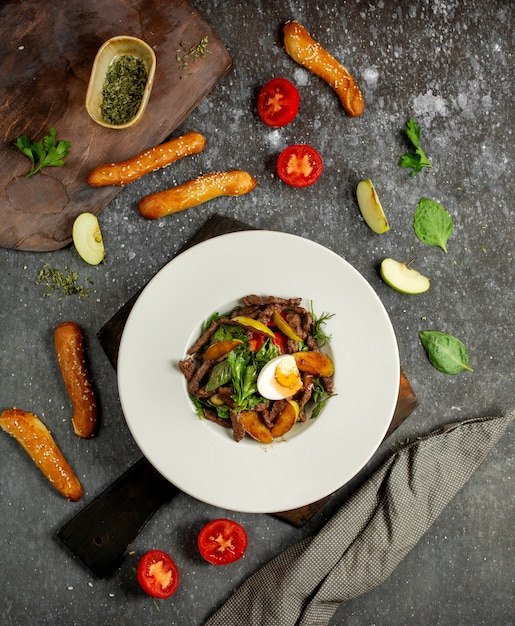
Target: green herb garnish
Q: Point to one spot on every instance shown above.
(433, 225)
(60, 284)
(445, 352)
(320, 397)
(123, 89)
(191, 52)
(46, 153)
(318, 322)
(417, 160)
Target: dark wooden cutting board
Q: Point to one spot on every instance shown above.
(46, 55)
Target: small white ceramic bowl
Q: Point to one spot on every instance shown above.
(108, 52)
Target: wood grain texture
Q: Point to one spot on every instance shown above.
(46, 55)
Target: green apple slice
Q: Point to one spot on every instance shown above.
(370, 207)
(87, 238)
(402, 278)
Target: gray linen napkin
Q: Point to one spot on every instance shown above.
(361, 545)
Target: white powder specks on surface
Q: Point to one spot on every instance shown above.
(429, 104)
(444, 8)
(371, 75)
(300, 77)
(274, 138)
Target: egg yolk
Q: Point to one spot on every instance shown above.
(287, 374)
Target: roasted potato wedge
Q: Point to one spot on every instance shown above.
(285, 420)
(220, 349)
(314, 363)
(255, 427)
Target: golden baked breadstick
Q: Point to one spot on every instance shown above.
(195, 192)
(303, 49)
(35, 438)
(152, 159)
(69, 346)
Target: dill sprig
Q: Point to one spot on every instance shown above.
(318, 333)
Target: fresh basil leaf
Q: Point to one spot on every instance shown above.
(220, 375)
(433, 225)
(445, 352)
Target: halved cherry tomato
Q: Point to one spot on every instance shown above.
(300, 165)
(278, 102)
(157, 574)
(280, 340)
(257, 340)
(222, 541)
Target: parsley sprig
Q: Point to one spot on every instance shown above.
(44, 153)
(417, 160)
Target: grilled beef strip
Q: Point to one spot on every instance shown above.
(207, 334)
(213, 417)
(265, 300)
(196, 379)
(238, 431)
(187, 367)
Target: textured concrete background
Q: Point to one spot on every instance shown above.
(447, 64)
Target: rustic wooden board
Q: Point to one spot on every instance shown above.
(46, 54)
(111, 333)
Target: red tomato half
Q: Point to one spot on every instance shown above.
(299, 165)
(278, 102)
(257, 340)
(222, 541)
(280, 340)
(157, 574)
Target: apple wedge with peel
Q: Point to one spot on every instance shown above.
(370, 207)
(87, 238)
(402, 278)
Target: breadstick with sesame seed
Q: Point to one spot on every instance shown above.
(303, 49)
(37, 441)
(69, 346)
(195, 192)
(152, 159)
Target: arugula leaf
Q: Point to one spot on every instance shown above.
(417, 160)
(445, 352)
(320, 397)
(433, 225)
(266, 352)
(244, 376)
(226, 332)
(47, 153)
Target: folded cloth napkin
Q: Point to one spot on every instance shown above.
(361, 545)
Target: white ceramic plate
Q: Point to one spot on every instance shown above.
(200, 457)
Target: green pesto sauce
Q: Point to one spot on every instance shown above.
(123, 89)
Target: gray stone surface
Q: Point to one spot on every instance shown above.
(449, 65)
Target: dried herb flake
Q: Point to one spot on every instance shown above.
(191, 52)
(123, 89)
(60, 284)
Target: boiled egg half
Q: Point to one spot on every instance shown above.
(279, 378)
